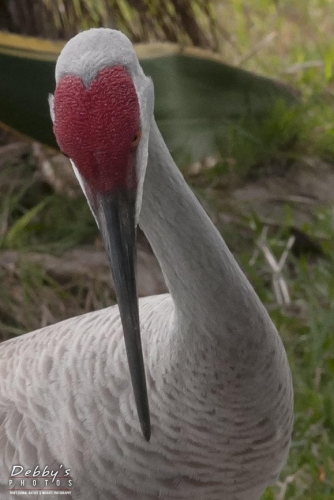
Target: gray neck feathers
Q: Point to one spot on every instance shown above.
(204, 279)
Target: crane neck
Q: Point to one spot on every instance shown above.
(201, 273)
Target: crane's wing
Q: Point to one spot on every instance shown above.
(64, 391)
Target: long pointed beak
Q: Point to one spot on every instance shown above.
(115, 213)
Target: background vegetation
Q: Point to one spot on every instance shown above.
(270, 183)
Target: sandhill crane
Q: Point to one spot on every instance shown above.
(218, 380)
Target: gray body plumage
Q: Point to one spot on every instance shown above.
(219, 384)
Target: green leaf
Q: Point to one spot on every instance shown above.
(15, 232)
(330, 364)
(197, 95)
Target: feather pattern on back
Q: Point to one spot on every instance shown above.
(66, 398)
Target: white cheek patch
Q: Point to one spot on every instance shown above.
(83, 187)
(52, 113)
(145, 92)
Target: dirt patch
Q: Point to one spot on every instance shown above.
(303, 188)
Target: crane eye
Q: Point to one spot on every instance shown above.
(136, 139)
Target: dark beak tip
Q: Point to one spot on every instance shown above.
(146, 430)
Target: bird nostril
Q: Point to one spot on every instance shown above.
(136, 138)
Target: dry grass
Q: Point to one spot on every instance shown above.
(183, 21)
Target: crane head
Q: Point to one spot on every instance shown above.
(102, 110)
